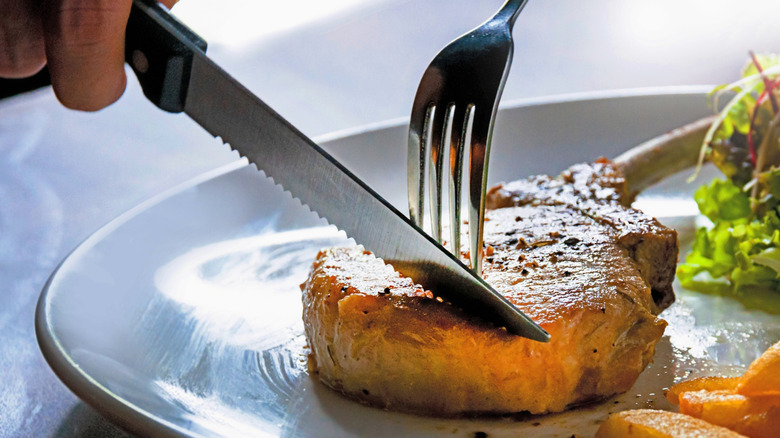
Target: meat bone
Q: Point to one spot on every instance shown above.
(663, 156)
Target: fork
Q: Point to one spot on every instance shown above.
(455, 106)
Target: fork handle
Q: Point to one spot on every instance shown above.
(509, 12)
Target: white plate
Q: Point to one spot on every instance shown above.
(182, 317)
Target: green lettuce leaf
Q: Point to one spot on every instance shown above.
(738, 251)
(722, 200)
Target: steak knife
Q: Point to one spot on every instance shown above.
(175, 74)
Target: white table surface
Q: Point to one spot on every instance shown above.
(63, 174)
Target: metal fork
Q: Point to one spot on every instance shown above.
(455, 106)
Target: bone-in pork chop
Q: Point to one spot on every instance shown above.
(566, 250)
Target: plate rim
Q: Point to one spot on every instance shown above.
(119, 411)
(137, 420)
(527, 102)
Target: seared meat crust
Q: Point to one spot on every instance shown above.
(599, 191)
(564, 250)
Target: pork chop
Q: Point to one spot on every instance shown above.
(567, 251)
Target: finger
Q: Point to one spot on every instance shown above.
(169, 3)
(21, 39)
(85, 46)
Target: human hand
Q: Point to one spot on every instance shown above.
(81, 41)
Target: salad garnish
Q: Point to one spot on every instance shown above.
(739, 248)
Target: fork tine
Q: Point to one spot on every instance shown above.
(441, 122)
(438, 122)
(419, 134)
(478, 165)
(459, 142)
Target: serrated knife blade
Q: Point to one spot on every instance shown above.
(176, 75)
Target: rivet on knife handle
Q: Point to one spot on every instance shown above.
(159, 49)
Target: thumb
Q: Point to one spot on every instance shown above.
(85, 42)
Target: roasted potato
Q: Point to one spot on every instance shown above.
(748, 405)
(747, 415)
(763, 425)
(648, 423)
(763, 375)
(702, 383)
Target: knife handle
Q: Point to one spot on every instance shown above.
(159, 49)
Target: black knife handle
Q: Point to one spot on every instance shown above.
(160, 49)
